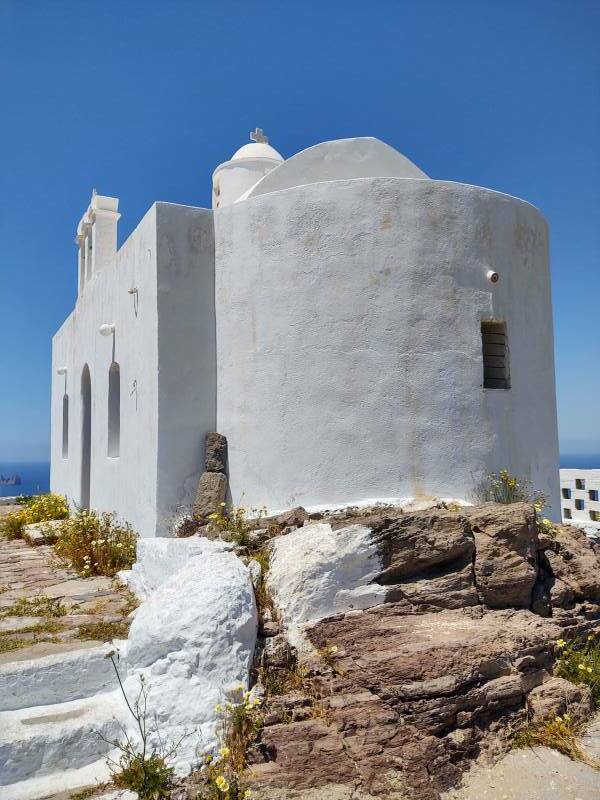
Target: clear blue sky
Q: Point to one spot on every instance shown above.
(143, 100)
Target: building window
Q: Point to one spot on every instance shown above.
(595, 516)
(114, 410)
(580, 484)
(65, 426)
(567, 513)
(494, 342)
(566, 493)
(593, 493)
(579, 505)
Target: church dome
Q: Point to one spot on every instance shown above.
(257, 150)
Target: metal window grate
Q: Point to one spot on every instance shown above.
(496, 372)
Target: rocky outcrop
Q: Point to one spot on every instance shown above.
(506, 563)
(422, 636)
(557, 696)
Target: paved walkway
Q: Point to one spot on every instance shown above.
(45, 608)
(536, 774)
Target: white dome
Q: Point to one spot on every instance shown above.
(257, 150)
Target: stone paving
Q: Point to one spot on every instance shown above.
(45, 608)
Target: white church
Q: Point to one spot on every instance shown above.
(357, 330)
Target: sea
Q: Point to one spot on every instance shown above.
(35, 475)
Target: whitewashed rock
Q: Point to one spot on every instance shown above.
(191, 641)
(316, 572)
(158, 559)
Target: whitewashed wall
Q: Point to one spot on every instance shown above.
(126, 484)
(170, 259)
(186, 353)
(348, 342)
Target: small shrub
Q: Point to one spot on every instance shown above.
(502, 487)
(237, 523)
(241, 720)
(140, 768)
(95, 544)
(579, 662)
(43, 508)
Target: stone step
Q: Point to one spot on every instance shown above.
(56, 677)
(42, 746)
(60, 785)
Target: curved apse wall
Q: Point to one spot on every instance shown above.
(349, 342)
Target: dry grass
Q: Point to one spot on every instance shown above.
(557, 733)
(104, 631)
(39, 606)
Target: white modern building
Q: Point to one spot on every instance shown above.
(580, 497)
(357, 330)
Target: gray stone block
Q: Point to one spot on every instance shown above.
(212, 488)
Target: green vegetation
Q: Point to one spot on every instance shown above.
(38, 606)
(43, 508)
(43, 632)
(237, 523)
(104, 631)
(558, 733)
(579, 662)
(142, 768)
(240, 721)
(502, 487)
(95, 544)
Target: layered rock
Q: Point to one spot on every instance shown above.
(422, 636)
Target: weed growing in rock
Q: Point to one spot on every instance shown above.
(140, 768)
(43, 508)
(240, 721)
(104, 631)
(502, 487)
(39, 606)
(236, 523)
(95, 544)
(558, 733)
(579, 662)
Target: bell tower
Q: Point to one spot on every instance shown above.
(232, 179)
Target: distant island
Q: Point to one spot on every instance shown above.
(10, 480)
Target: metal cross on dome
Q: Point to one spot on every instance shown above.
(257, 135)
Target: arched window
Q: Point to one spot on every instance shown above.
(65, 426)
(86, 437)
(114, 410)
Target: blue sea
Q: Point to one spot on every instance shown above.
(574, 461)
(35, 477)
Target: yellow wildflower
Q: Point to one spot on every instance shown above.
(224, 751)
(219, 708)
(561, 643)
(581, 666)
(222, 783)
(589, 669)
(558, 719)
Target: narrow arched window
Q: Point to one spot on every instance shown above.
(114, 410)
(65, 426)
